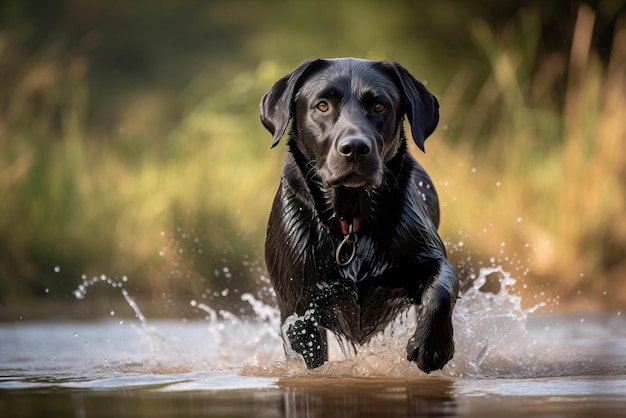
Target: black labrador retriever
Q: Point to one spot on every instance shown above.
(352, 236)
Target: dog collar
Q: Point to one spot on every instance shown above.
(355, 224)
(348, 243)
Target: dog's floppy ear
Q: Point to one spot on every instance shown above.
(276, 105)
(422, 107)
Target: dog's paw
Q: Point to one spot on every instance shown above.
(309, 341)
(430, 350)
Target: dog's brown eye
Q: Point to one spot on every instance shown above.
(379, 107)
(322, 106)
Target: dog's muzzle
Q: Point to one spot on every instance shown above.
(354, 162)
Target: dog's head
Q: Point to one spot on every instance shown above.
(347, 116)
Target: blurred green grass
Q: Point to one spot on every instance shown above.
(528, 161)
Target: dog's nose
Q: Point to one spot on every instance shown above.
(354, 148)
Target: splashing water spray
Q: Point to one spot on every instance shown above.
(490, 328)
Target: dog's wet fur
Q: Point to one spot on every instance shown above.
(348, 173)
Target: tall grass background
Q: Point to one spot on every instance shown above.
(549, 188)
(530, 168)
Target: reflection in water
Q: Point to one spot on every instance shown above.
(363, 397)
(326, 398)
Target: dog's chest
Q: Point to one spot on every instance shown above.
(366, 260)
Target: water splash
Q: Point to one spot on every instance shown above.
(158, 347)
(244, 341)
(491, 336)
(491, 331)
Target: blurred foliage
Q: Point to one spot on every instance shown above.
(131, 143)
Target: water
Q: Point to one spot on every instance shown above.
(509, 361)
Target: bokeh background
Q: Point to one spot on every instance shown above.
(131, 150)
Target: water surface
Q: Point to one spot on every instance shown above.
(509, 361)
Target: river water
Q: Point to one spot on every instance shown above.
(509, 361)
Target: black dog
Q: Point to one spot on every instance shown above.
(352, 237)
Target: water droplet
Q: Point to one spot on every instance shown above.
(48, 290)
(57, 269)
(112, 313)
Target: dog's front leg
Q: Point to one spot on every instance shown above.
(333, 307)
(307, 338)
(432, 345)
